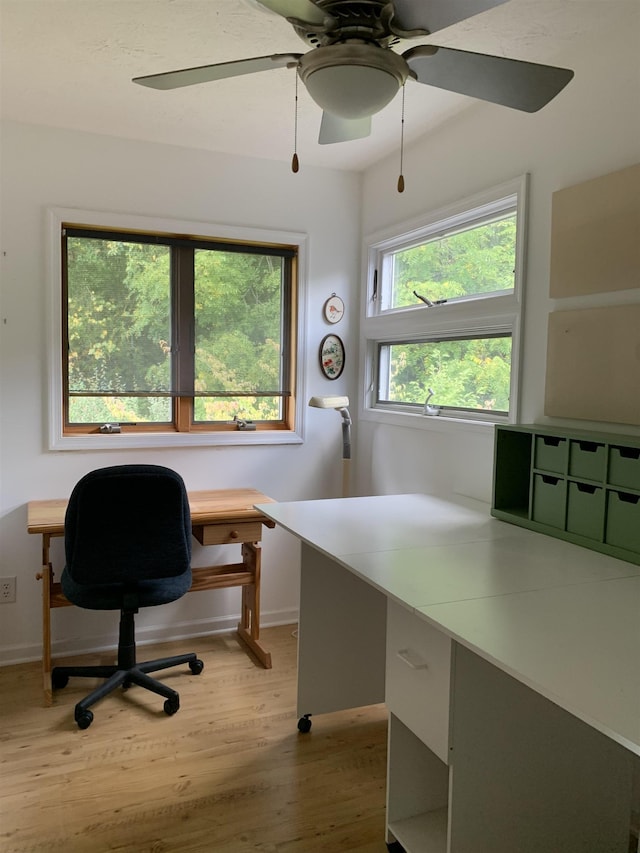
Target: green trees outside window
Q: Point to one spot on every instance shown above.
(473, 262)
(153, 322)
(464, 374)
(443, 313)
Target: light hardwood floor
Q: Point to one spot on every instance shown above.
(229, 773)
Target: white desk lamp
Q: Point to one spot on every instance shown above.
(340, 404)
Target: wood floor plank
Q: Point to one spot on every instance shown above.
(229, 773)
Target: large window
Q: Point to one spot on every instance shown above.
(173, 334)
(443, 312)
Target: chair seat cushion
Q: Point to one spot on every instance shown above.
(143, 593)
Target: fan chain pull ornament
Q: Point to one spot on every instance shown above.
(401, 176)
(295, 163)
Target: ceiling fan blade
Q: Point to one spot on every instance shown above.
(512, 83)
(336, 129)
(301, 10)
(208, 73)
(437, 14)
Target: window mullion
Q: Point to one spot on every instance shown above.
(183, 320)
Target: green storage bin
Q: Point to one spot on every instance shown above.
(551, 453)
(585, 510)
(624, 467)
(623, 520)
(549, 500)
(587, 459)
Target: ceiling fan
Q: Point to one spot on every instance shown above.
(352, 70)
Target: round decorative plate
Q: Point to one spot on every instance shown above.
(332, 356)
(333, 309)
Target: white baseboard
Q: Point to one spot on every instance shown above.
(10, 655)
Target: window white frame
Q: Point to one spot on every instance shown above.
(56, 439)
(490, 313)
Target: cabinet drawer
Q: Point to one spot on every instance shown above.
(587, 459)
(585, 510)
(551, 453)
(418, 677)
(624, 467)
(228, 534)
(623, 520)
(549, 500)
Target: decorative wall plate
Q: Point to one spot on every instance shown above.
(332, 356)
(333, 309)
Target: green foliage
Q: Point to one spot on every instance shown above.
(479, 260)
(470, 373)
(120, 339)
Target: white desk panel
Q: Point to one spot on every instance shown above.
(520, 561)
(564, 621)
(385, 522)
(577, 645)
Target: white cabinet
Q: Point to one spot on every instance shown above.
(418, 677)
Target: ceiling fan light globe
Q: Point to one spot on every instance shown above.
(352, 81)
(352, 91)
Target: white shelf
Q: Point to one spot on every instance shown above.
(424, 833)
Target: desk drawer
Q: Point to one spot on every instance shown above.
(418, 677)
(228, 534)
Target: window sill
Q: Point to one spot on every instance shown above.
(120, 441)
(433, 423)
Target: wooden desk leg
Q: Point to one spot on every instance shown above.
(47, 579)
(249, 625)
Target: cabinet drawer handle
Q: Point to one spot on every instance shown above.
(412, 659)
(233, 534)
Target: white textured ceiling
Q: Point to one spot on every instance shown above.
(69, 63)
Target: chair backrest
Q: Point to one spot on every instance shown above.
(128, 523)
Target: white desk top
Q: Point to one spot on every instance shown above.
(577, 645)
(435, 574)
(560, 618)
(385, 522)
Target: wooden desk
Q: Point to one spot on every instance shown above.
(219, 517)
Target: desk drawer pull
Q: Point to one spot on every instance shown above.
(234, 534)
(412, 659)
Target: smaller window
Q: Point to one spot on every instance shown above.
(470, 374)
(443, 312)
(478, 260)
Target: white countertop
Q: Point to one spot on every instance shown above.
(560, 618)
(577, 645)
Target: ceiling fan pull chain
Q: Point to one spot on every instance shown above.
(295, 165)
(401, 176)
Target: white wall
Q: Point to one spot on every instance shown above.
(44, 167)
(590, 129)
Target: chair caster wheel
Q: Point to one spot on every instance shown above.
(196, 666)
(58, 681)
(171, 706)
(304, 724)
(84, 719)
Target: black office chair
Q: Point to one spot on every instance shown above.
(127, 538)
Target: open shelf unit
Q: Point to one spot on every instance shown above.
(576, 485)
(417, 792)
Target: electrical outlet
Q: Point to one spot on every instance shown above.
(7, 590)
